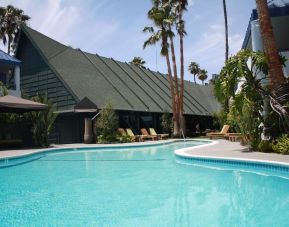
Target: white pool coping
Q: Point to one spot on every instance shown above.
(188, 153)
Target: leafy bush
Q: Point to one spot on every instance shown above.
(167, 123)
(42, 121)
(107, 124)
(124, 139)
(219, 119)
(281, 145)
(265, 146)
(3, 89)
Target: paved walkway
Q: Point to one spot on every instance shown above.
(228, 149)
(222, 148)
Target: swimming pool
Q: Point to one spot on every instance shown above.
(140, 186)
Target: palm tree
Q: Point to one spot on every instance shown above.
(203, 75)
(11, 19)
(194, 69)
(166, 15)
(138, 61)
(161, 33)
(276, 76)
(226, 31)
(181, 7)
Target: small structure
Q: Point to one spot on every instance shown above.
(10, 73)
(12, 104)
(17, 134)
(86, 106)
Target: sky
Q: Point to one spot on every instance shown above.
(113, 28)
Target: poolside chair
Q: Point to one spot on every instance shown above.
(146, 135)
(121, 131)
(161, 136)
(131, 135)
(215, 135)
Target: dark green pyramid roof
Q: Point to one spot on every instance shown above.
(129, 87)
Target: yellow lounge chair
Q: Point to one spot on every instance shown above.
(161, 136)
(221, 134)
(132, 135)
(146, 135)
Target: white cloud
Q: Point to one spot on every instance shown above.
(70, 24)
(209, 51)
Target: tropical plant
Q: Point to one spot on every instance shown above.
(138, 61)
(107, 124)
(245, 70)
(11, 19)
(203, 75)
(42, 121)
(246, 107)
(194, 69)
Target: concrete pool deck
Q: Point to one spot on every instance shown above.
(233, 150)
(221, 149)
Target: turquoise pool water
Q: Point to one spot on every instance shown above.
(138, 187)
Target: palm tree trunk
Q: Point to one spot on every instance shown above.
(226, 31)
(195, 79)
(182, 119)
(176, 98)
(276, 76)
(226, 101)
(174, 107)
(9, 44)
(174, 66)
(173, 95)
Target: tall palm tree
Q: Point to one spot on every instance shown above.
(194, 69)
(181, 7)
(138, 61)
(11, 19)
(203, 75)
(226, 31)
(159, 17)
(276, 76)
(167, 17)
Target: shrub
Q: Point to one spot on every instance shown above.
(123, 139)
(107, 124)
(265, 146)
(167, 123)
(42, 121)
(281, 145)
(219, 119)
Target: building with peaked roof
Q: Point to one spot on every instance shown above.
(68, 76)
(279, 13)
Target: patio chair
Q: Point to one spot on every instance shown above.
(132, 136)
(215, 135)
(233, 137)
(146, 135)
(161, 136)
(121, 131)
